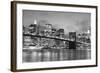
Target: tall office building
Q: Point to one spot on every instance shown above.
(33, 27)
(60, 33)
(53, 32)
(48, 30)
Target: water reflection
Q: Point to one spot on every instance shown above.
(38, 55)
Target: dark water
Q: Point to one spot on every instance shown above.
(37, 55)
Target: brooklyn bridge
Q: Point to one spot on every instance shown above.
(47, 43)
(73, 50)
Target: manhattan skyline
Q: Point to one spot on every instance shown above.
(69, 21)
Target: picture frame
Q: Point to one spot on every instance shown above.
(47, 36)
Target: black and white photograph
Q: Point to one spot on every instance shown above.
(56, 36)
(53, 36)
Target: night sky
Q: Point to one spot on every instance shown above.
(69, 21)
